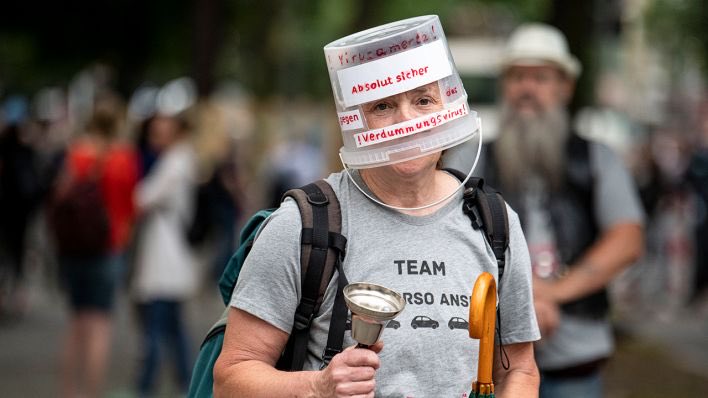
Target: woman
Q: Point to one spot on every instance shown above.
(164, 276)
(401, 216)
(90, 277)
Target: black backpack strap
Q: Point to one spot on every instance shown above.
(486, 206)
(486, 209)
(322, 245)
(338, 324)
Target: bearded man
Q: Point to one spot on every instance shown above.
(579, 209)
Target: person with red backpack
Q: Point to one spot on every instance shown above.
(91, 215)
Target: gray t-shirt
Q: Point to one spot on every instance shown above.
(433, 261)
(579, 340)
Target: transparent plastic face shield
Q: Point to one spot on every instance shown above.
(397, 93)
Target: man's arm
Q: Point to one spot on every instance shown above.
(522, 378)
(616, 249)
(246, 365)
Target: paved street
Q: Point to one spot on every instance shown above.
(654, 359)
(29, 347)
(661, 357)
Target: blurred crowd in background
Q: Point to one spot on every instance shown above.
(248, 106)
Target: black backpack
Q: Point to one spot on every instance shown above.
(323, 249)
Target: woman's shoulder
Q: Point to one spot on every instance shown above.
(339, 182)
(284, 223)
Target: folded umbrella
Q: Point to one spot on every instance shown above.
(481, 326)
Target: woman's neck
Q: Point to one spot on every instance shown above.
(410, 190)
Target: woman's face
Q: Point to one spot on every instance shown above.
(399, 108)
(405, 106)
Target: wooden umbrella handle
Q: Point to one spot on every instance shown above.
(481, 325)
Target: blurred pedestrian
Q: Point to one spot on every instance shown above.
(146, 155)
(220, 194)
(141, 110)
(164, 276)
(293, 163)
(579, 209)
(697, 175)
(91, 214)
(21, 189)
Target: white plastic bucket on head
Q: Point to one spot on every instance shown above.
(388, 60)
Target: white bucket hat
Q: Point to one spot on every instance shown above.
(538, 44)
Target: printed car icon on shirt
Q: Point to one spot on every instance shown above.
(458, 323)
(392, 324)
(422, 321)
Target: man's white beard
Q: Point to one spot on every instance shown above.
(531, 146)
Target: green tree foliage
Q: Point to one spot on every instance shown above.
(271, 46)
(680, 29)
(285, 56)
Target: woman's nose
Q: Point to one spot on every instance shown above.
(405, 112)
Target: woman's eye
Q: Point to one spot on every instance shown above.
(381, 106)
(425, 101)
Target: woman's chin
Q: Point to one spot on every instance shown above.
(414, 167)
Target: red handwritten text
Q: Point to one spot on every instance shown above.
(411, 127)
(347, 58)
(348, 119)
(378, 83)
